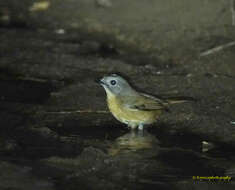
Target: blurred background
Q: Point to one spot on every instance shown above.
(55, 128)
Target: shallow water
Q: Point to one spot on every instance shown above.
(135, 159)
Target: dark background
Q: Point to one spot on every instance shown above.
(52, 133)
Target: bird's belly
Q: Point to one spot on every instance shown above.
(126, 115)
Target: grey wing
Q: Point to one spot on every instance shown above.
(159, 100)
(146, 102)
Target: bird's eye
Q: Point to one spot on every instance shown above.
(113, 82)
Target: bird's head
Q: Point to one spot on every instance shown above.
(116, 85)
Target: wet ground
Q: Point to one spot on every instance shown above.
(53, 138)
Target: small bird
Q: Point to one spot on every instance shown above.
(131, 107)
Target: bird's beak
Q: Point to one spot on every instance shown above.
(100, 81)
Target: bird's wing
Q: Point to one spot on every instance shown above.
(145, 102)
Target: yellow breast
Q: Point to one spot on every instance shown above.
(127, 115)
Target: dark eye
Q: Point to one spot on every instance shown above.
(113, 82)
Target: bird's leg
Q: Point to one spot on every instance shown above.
(140, 130)
(141, 126)
(132, 126)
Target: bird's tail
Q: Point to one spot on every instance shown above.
(180, 99)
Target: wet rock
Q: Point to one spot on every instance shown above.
(230, 172)
(90, 160)
(89, 47)
(206, 146)
(96, 167)
(205, 185)
(55, 118)
(69, 89)
(19, 177)
(75, 91)
(8, 145)
(148, 30)
(19, 91)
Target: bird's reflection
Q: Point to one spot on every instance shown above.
(134, 141)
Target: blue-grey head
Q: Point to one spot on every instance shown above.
(116, 85)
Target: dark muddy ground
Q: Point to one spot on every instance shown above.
(45, 144)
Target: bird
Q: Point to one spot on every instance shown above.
(131, 107)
